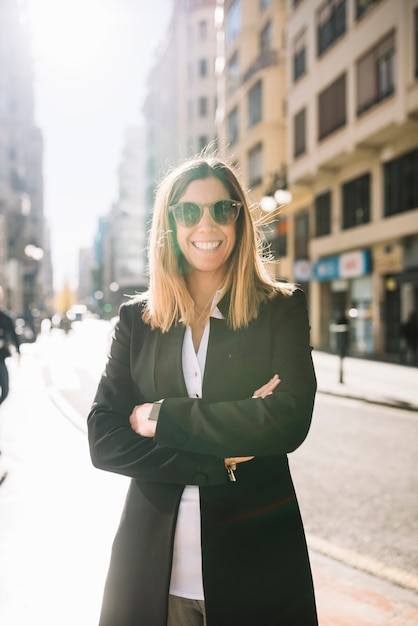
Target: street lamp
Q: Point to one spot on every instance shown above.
(277, 194)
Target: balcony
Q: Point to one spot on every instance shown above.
(264, 60)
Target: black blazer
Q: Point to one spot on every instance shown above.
(254, 557)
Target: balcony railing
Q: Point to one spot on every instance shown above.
(266, 59)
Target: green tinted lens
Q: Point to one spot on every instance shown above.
(225, 211)
(187, 214)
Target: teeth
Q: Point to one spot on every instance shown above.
(207, 245)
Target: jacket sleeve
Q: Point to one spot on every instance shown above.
(115, 447)
(275, 425)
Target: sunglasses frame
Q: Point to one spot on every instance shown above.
(201, 208)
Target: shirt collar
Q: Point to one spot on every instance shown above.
(216, 313)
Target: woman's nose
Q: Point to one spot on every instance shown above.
(207, 219)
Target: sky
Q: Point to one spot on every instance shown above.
(91, 63)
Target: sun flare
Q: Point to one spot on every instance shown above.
(70, 36)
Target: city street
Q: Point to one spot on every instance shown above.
(355, 475)
(357, 479)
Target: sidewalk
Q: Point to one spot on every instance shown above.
(58, 515)
(348, 596)
(386, 384)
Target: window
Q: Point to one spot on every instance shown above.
(266, 38)
(356, 202)
(233, 126)
(401, 184)
(330, 23)
(203, 107)
(232, 74)
(255, 165)
(323, 214)
(332, 107)
(376, 74)
(299, 133)
(17, 181)
(203, 29)
(233, 22)
(302, 235)
(203, 67)
(255, 104)
(363, 6)
(299, 55)
(278, 245)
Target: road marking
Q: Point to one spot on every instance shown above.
(362, 562)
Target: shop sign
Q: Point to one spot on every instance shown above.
(354, 264)
(302, 270)
(326, 269)
(350, 265)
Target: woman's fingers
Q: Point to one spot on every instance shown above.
(268, 388)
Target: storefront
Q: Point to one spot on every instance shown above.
(395, 265)
(344, 289)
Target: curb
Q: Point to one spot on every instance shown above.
(363, 563)
(394, 404)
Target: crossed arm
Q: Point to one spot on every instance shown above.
(142, 425)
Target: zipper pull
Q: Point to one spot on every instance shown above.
(231, 466)
(231, 475)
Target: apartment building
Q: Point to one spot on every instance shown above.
(320, 97)
(252, 105)
(25, 266)
(180, 105)
(353, 166)
(121, 260)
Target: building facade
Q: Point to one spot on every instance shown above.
(353, 166)
(120, 258)
(319, 97)
(25, 267)
(252, 105)
(180, 106)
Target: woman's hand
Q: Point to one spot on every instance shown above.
(139, 420)
(268, 388)
(264, 391)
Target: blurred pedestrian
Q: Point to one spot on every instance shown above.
(410, 334)
(208, 386)
(8, 341)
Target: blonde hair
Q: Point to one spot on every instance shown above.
(247, 280)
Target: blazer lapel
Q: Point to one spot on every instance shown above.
(168, 369)
(222, 361)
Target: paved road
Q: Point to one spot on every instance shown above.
(357, 479)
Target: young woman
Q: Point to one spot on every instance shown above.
(208, 386)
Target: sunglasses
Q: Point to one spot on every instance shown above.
(223, 212)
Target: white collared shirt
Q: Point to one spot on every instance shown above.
(186, 574)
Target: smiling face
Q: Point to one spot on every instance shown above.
(207, 246)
